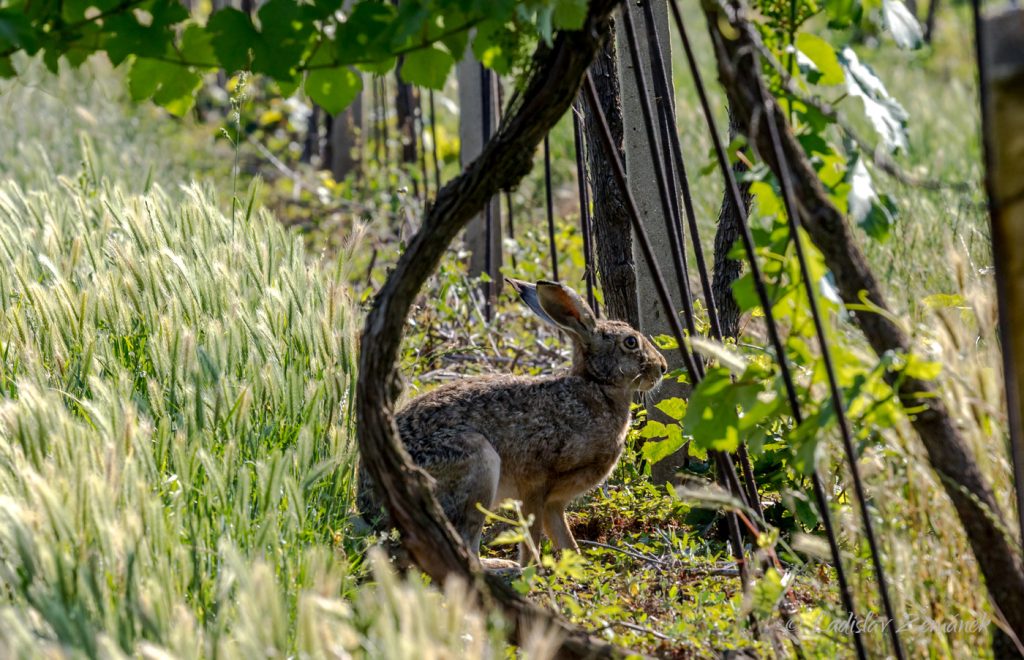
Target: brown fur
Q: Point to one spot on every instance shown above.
(542, 440)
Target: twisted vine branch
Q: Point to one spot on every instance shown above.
(968, 489)
(427, 535)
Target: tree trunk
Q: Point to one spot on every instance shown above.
(406, 101)
(948, 453)
(613, 236)
(726, 270)
(430, 539)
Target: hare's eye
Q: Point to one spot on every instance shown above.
(630, 342)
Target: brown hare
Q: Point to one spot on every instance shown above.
(542, 440)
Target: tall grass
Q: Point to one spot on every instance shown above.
(175, 454)
(44, 117)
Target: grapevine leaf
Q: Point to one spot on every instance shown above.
(862, 192)
(125, 36)
(16, 32)
(233, 37)
(804, 439)
(427, 67)
(843, 13)
(492, 48)
(886, 114)
(410, 24)
(171, 86)
(333, 89)
(657, 450)
(875, 214)
(366, 35)
(918, 367)
(674, 407)
(880, 219)
(285, 29)
(570, 14)
(902, 24)
(147, 34)
(824, 57)
(713, 415)
(546, 24)
(71, 11)
(324, 8)
(197, 46)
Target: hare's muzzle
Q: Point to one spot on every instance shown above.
(653, 373)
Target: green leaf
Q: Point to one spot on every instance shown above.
(197, 46)
(918, 367)
(366, 35)
(674, 407)
(653, 429)
(803, 440)
(546, 23)
(654, 451)
(944, 300)
(768, 202)
(717, 404)
(766, 594)
(125, 36)
(885, 113)
(285, 30)
(233, 38)
(427, 67)
(824, 57)
(570, 14)
(843, 13)
(6, 68)
(493, 48)
(880, 219)
(17, 32)
(333, 89)
(170, 85)
(902, 24)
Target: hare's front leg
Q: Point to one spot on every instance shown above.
(556, 528)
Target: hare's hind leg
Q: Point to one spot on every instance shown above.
(466, 482)
(556, 528)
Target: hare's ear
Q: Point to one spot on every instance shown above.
(528, 294)
(566, 309)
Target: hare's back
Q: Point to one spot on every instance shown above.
(516, 414)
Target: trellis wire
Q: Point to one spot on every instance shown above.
(659, 282)
(586, 226)
(792, 213)
(762, 294)
(662, 90)
(670, 137)
(694, 366)
(550, 209)
(726, 468)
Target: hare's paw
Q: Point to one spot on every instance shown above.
(503, 568)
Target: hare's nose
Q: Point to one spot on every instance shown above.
(663, 366)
